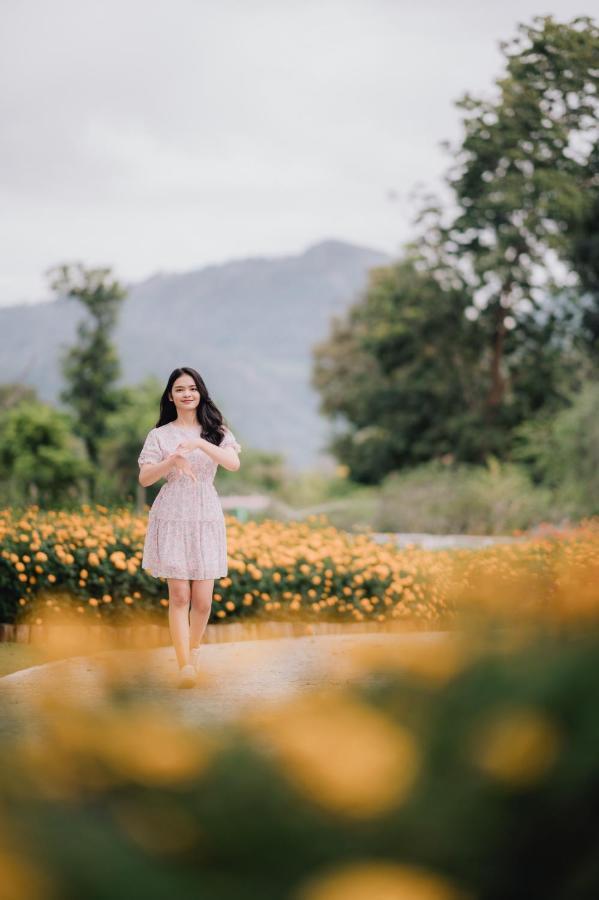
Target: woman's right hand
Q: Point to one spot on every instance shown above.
(181, 464)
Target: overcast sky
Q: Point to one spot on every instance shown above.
(162, 135)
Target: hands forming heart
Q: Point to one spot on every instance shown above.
(186, 446)
(181, 463)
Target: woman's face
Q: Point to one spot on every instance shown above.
(184, 393)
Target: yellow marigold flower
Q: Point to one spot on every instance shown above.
(93, 601)
(106, 598)
(345, 755)
(378, 879)
(164, 602)
(20, 567)
(516, 746)
(128, 600)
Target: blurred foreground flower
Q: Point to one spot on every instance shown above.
(343, 754)
(379, 881)
(517, 746)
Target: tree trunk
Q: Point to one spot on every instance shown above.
(498, 382)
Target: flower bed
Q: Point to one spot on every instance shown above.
(89, 563)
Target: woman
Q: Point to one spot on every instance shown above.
(186, 539)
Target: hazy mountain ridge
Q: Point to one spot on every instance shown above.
(247, 325)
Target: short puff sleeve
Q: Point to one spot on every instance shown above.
(150, 452)
(230, 440)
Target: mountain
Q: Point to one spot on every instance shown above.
(247, 326)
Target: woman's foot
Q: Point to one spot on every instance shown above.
(187, 676)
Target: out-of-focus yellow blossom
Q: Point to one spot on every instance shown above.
(516, 746)
(344, 755)
(378, 880)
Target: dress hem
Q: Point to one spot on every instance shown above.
(184, 577)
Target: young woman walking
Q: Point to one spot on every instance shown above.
(186, 539)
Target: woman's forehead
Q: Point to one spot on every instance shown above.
(182, 382)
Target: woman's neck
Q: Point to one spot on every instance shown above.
(188, 421)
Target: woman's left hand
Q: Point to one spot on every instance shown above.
(187, 446)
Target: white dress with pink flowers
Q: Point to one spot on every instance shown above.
(186, 535)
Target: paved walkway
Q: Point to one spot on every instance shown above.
(234, 675)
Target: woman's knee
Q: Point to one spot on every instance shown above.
(179, 595)
(201, 602)
(201, 595)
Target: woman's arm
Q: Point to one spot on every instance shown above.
(151, 472)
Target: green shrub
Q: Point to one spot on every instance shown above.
(562, 452)
(463, 498)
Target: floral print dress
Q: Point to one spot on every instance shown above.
(186, 535)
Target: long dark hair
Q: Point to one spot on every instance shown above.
(208, 414)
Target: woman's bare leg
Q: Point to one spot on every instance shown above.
(179, 593)
(201, 604)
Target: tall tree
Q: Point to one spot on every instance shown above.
(475, 329)
(525, 184)
(400, 373)
(91, 368)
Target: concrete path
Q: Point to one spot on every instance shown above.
(234, 675)
(446, 541)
